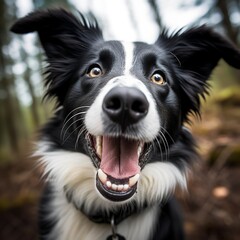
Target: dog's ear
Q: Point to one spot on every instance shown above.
(196, 52)
(60, 32)
(65, 39)
(199, 50)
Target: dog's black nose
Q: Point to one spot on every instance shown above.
(125, 105)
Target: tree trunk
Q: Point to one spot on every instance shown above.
(34, 105)
(11, 111)
(154, 7)
(231, 31)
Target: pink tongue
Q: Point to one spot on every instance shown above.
(119, 157)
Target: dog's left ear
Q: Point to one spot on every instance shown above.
(196, 52)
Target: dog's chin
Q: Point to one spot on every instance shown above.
(119, 161)
(115, 195)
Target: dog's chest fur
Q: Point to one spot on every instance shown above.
(72, 224)
(75, 171)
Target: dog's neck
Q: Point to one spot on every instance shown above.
(119, 214)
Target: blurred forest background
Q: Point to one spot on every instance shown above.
(212, 205)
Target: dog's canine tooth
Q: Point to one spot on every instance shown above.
(133, 180)
(99, 145)
(140, 148)
(102, 176)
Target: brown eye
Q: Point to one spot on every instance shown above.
(95, 71)
(158, 79)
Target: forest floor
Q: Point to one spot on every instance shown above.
(211, 206)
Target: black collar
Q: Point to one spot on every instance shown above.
(119, 214)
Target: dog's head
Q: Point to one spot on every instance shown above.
(125, 104)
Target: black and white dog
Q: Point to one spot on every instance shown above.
(117, 146)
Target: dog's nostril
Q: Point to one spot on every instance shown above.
(139, 106)
(113, 103)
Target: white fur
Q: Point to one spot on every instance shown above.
(129, 56)
(76, 171)
(158, 180)
(74, 225)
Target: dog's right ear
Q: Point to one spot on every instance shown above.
(65, 39)
(60, 32)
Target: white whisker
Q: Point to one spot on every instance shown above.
(162, 128)
(160, 148)
(165, 143)
(66, 120)
(81, 131)
(63, 135)
(75, 129)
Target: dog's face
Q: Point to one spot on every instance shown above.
(124, 104)
(130, 104)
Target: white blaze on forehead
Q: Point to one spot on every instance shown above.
(128, 48)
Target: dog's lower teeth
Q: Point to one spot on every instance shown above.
(117, 187)
(120, 188)
(125, 187)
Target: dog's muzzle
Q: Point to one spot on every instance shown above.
(120, 155)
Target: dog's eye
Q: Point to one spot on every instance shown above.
(94, 72)
(158, 78)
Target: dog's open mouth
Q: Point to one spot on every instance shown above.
(119, 161)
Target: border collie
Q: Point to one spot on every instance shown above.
(117, 146)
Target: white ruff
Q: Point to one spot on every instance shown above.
(76, 171)
(74, 225)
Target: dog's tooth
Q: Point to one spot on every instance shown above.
(139, 151)
(114, 187)
(125, 187)
(140, 148)
(109, 184)
(120, 187)
(99, 145)
(102, 176)
(133, 180)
